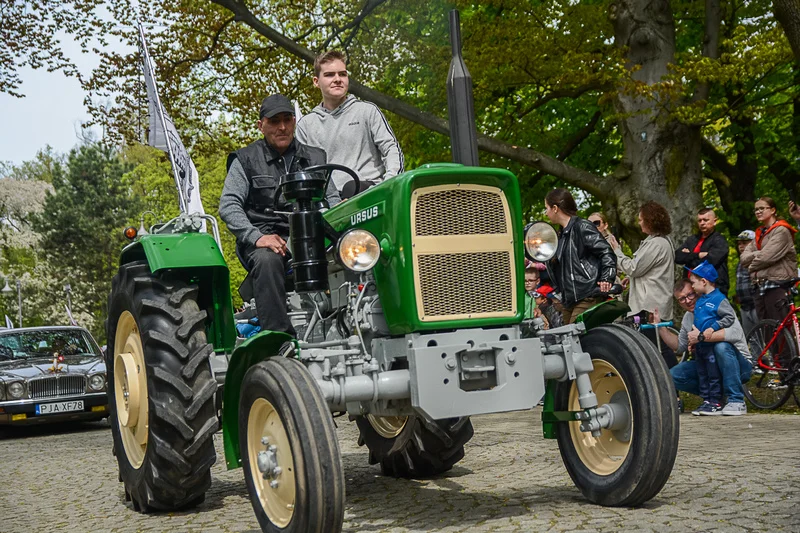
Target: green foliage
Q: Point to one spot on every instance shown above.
(45, 165)
(81, 226)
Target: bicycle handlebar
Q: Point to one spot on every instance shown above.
(666, 324)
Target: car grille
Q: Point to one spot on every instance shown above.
(55, 387)
(463, 252)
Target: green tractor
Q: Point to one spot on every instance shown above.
(407, 306)
(407, 302)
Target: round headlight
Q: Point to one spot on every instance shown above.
(541, 241)
(97, 382)
(359, 250)
(16, 390)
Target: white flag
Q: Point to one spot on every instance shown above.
(297, 113)
(164, 136)
(9, 324)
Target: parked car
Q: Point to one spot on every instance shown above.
(51, 374)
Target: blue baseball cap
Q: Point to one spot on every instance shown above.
(704, 270)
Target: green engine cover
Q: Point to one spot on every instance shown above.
(451, 246)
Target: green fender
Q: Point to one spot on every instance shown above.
(603, 313)
(196, 258)
(255, 349)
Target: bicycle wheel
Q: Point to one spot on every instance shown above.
(767, 389)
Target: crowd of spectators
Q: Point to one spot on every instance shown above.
(589, 260)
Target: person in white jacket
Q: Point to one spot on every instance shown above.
(353, 133)
(651, 270)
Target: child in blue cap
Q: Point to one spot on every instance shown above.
(712, 312)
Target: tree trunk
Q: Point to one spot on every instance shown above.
(662, 157)
(788, 14)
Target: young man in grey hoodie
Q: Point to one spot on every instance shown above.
(352, 132)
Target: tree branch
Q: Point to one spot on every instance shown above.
(713, 22)
(207, 56)
(579, 137)
(368, 8)
(561, 93)
(717, 159)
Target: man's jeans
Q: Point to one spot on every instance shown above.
(735, 370)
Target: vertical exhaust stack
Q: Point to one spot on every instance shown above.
(463, 135)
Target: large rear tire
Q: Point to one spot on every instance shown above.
(161, 392)
(289, 449)
(629, 466)
(413, 446)
(766, 389)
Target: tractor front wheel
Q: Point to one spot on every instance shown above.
(289, 449)
(629, 465)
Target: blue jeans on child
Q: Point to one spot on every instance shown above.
(708, 375)
(732, 365)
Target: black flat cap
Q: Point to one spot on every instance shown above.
(274, 104)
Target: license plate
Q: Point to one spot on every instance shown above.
(59, 407)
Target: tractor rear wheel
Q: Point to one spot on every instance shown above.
(289, 450)
(161, 392)
(627, 466)
(413, 446)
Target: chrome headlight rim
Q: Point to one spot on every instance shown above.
(11, 395)
(541, 241)
(102, 382)
(349, 260)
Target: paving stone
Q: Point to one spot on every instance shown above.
(726, 478)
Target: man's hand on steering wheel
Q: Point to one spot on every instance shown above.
(273, 242)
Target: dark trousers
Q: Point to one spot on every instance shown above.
(774, 304)
(708, 377)
(570, 314)
(268, 273)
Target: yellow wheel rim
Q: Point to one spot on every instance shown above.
(388, 427)
(130, 387)
(605, 454)
(266, 436)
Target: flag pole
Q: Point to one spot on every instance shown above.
(160, 109)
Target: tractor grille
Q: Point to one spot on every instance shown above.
(55, 387)
(463, 253)
(460, 212)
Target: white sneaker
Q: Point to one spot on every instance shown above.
(734, 409)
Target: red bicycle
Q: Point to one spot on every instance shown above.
(776, 370)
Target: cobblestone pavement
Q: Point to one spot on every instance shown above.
(732, 474)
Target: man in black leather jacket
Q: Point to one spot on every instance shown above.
(250, 200)
(584, 263)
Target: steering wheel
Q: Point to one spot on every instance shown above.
(330, 167)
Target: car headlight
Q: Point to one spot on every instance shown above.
(541, 241)
(16, 390)
(97, 382)
(359, 250)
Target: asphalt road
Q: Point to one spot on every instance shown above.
(732, 474)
